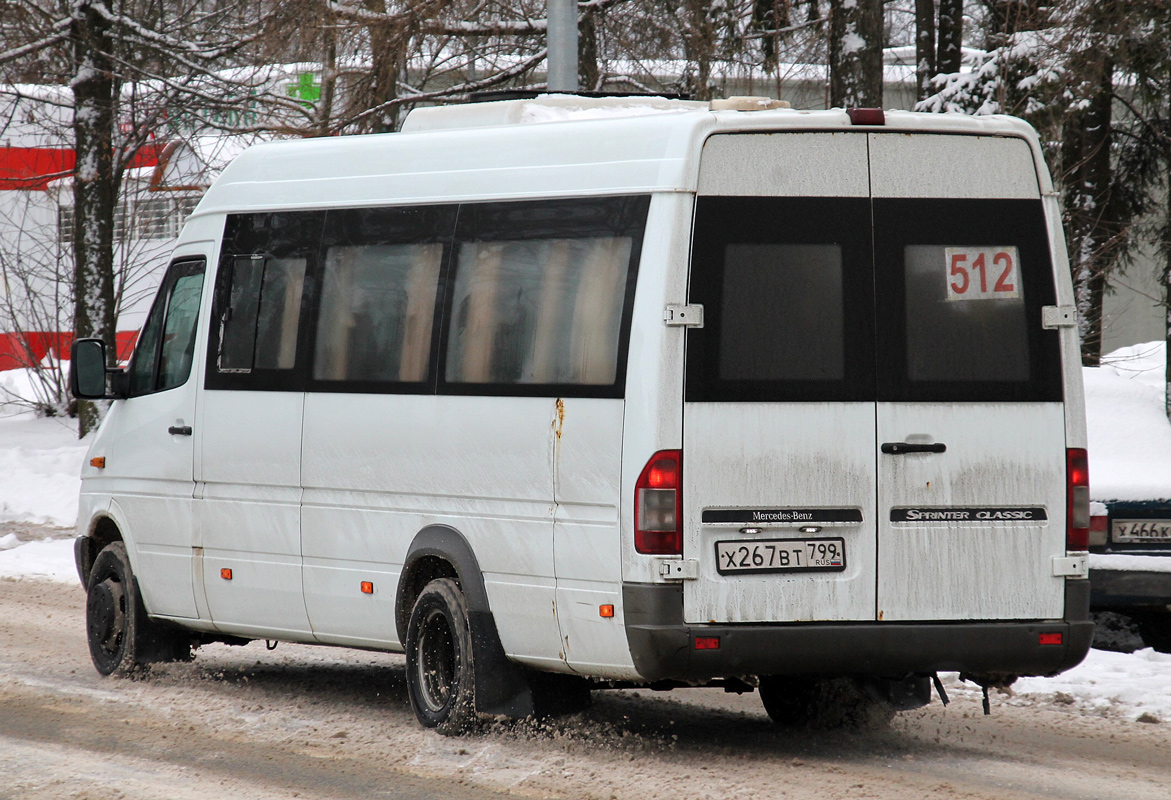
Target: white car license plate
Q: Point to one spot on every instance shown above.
(1142, 530)
(780, 555)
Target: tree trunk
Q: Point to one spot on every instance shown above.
(951, 29)
(1167, 277)
(700, 45)
(855, 54)
(588, 73)
(328, 80)
(95, 188)
(924, 47)
(1093, 235)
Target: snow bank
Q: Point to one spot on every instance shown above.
(1131, 684)
(40, 459)
(1130, 437)
(40, 469)
(49, 559)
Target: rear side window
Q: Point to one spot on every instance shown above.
(541, 296)
(786, 286)
(961, 285)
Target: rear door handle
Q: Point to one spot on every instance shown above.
(185, 430)
(899, 448)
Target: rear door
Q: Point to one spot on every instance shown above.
(873, 425)
(778, 462)
(971, 428)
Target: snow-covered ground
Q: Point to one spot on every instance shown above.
(1130, 438)
(40, 460)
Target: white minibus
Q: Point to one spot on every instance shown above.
(560, 394)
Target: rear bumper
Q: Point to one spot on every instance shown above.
(662, 645)
(1116, 588)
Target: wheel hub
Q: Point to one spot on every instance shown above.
(436, 663)
(107, 613)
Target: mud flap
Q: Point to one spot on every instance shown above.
(501, 685)
(512, 690)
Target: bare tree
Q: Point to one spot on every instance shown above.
(855, 53)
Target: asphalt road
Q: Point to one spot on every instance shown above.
(316, 722)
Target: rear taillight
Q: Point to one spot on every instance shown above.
(658, 505)
(1077, 514)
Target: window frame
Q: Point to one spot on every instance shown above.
(246, 236)
(179, 268)
(964, 222)
(719, 221)
(338, 231)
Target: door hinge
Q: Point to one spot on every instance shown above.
(683, 316)
(678, 569)
(1070, 566)
(1053, 317)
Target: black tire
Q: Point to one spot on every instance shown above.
(835, 703)
(121, 636)
(790, 702)
(440, 668)
(1155, 629)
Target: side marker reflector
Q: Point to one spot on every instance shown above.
(367, 587)
(707, 642)
(226, 574)
(606, 610)
(98, 461)
(1049, 638)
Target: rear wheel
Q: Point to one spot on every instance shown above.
(121, 636)
(790, 702)
(440, 676)
(825, 703)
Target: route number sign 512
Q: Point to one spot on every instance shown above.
(982, 273)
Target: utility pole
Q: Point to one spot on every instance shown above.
(561, 40)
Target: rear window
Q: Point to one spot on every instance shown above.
(786, 288)
(960, 287)
(818, 299)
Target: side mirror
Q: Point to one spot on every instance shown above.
(87, 372)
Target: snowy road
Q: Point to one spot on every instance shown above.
(316, 722)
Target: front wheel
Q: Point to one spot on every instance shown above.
(121, 636)
(440, 678)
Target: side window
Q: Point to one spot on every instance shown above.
(260, 327)
(379, 292)
(178, 345)
(260, 292)
(377, 312)
(166, 345)
(541, 295)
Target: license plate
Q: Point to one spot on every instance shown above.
(780, 555)
(1142, 530)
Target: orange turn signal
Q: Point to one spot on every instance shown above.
(606, 610)
(367, 587)
(98, 461)
(226, 574)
